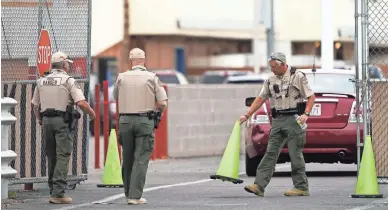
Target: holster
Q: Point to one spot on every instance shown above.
(301, 106)
(273, 113)
(155, 116)
(71, 117)
(75, 116)
(68, 114)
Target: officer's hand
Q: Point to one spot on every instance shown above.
(303, 118)
(243, 118)
(92, 116)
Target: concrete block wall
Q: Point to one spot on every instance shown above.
(200, 118)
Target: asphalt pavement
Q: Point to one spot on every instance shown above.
(185, 184)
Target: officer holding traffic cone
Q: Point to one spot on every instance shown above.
(286, 90)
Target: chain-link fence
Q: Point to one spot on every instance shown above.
(69, 25)
(372, 62)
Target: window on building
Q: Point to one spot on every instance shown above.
(297, 48)
(317, 48)
(339, 51)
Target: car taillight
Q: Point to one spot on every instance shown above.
(352, 115)
(260, 117)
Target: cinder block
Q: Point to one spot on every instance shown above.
(201, 117)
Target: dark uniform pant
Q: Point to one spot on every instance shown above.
(58, 140)
(136, 135)
(284, 129)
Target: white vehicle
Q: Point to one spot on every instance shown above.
(219, 76)
(170, 76)
(248, 79)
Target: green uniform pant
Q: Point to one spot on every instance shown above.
(136, 135)
(59, 144)
(284, 129)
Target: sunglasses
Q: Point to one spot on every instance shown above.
(274, 58)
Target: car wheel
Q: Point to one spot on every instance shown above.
(251, 165)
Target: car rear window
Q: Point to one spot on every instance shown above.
(331, 83)
(213, 79)
(168, 78)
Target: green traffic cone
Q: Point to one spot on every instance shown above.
(112, 169)
(367, 184)
(228, 169)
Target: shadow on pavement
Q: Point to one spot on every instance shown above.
(318, 173)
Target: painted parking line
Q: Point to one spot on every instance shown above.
(121, 195)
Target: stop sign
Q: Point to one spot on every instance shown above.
(44, 52)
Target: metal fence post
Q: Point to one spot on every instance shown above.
(7, 155)
(374, 34)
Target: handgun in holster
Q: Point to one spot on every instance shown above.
(71, 116)
(155, 116)
(273, 113)
(40, 116)
(301, 106)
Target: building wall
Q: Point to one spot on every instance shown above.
(160, 50)
(309, 48)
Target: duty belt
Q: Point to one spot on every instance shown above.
(53, 113)
(287, 111)
(145, 114)
(284, 112)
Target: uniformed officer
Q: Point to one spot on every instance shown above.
(137, 92)
(286, 89)
(56, 93)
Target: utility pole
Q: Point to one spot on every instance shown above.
(270, 30)
(126, 44)
(256, 36)
(263, 15)
(327, 43)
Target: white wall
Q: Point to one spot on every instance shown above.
(107, 24)
(294, 19)
(301, 19)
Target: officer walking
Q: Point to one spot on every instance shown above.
(137, 91)
(286, 90)
(56, 94)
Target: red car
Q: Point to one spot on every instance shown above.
(331, 134)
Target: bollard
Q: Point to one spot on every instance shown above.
(105, 117)
(7, 119)
(97, 122)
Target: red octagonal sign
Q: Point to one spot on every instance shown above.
(44, 52)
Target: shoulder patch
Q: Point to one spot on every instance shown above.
(304, 79)
(77, 85)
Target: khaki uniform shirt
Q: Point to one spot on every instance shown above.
(138, 90)
(297, 85)
(56, 91)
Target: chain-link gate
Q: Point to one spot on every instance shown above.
(69, 25)
(372, 69)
